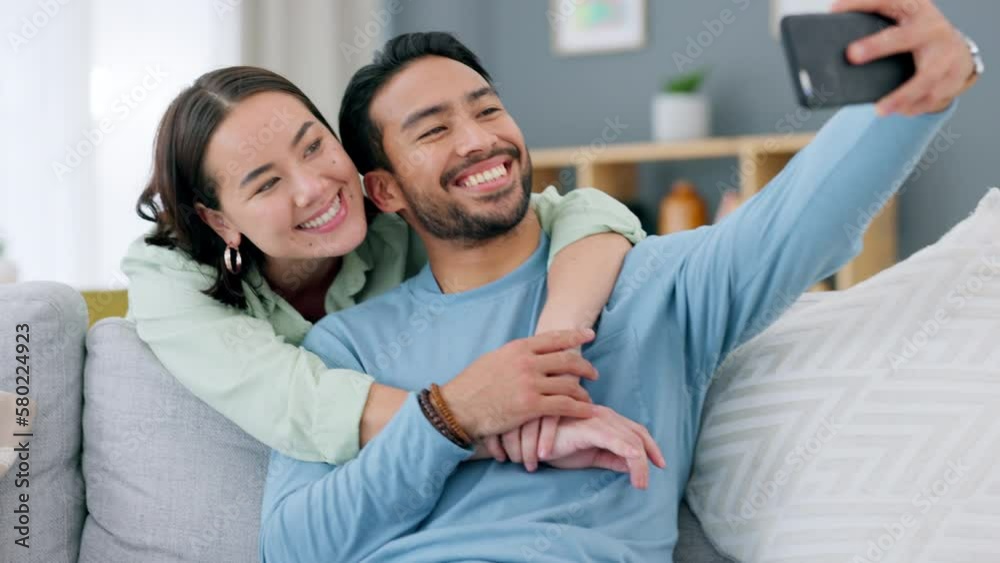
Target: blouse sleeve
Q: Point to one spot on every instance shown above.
(581, 213)
(278, 392)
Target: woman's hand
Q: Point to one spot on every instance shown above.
(512, 385)
(580, 282)
(944, 63)
(608, 440)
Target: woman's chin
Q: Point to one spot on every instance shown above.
(339, 242)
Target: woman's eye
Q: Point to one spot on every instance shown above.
(433, 131)
(314, 147)
(266, 186)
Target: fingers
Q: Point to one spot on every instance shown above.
(627, 446)
(559, 340)
(529, 444)
(891, 8)
(638, 469)
(939, 97)
(652, 448)
(608, 460)
(567, 385)
(639, 439)
(906, 95)
(512, 444)
(567, 362)
(561, 405)
(895, 39)
(547, 436)
(496, 450)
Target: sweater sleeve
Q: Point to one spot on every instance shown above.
(319, 512)
(279, 393)
(737, 277)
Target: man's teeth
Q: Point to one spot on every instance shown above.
(492, 174)
(324, 218)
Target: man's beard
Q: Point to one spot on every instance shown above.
(448, 220)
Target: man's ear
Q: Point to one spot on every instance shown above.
(384, 191)
(217, 221)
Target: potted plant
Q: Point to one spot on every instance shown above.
(680, 110)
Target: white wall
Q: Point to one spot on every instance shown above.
(68, 188)
(43, 219)
(95, 76)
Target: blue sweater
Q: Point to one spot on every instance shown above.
(681, 304)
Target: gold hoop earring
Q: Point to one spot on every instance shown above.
(232, 259)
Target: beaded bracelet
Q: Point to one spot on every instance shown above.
(438, 400)
(432, 415)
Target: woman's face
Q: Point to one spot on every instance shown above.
(284, 182)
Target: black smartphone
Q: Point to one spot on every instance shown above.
(816, 49)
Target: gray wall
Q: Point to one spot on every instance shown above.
(565, 100)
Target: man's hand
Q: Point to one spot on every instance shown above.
(520, 381)
(944, 63)
(607, 440)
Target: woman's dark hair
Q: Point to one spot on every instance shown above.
(179, 180)
(362, 137)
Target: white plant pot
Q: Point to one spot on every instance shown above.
(8, 272)
(680, 116)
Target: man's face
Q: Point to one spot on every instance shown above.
(458, 157)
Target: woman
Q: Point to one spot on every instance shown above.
(261, 228)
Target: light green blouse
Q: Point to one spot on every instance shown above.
(248, 365)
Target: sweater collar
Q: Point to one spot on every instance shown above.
(529, 271)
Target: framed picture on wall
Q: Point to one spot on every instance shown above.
(782, 8)
(581, 27)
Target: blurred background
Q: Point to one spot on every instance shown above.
(86, 82)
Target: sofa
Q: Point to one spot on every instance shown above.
(126, 465)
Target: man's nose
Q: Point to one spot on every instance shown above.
(473, 138)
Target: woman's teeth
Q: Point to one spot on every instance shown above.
(324, 218)
(492, 174)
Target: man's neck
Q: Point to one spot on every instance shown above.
(458, 266)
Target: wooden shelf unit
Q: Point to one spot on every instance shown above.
(759, 159)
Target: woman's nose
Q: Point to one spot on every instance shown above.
(310, 188)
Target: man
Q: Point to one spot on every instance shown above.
(428, 130)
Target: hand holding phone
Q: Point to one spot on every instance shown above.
(946, 62)
(823, 77)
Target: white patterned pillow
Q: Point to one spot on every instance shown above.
(866, 426)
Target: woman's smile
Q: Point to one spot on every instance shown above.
(328, 218)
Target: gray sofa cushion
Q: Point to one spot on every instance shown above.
(692, 544)
(57, 319)
(168, 478)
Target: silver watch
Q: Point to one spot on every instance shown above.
(977, 57)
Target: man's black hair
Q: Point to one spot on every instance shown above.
(361, 136)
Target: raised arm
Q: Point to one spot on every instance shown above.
(591, 233)
(737, 277)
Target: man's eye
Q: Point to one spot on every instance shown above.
(314, 147)
(267, 185)
(489, 111)
(433, 131)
